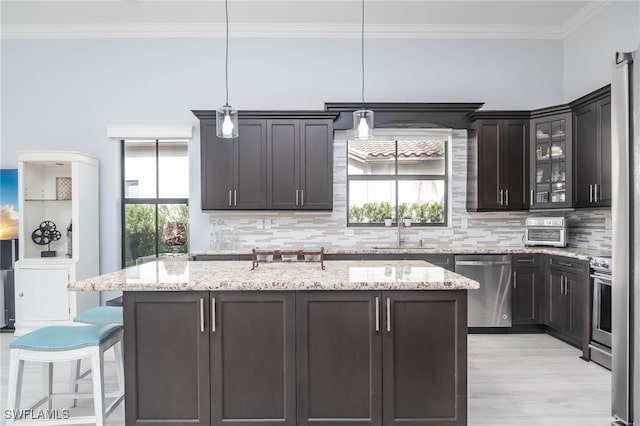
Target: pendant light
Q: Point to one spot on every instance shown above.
(362, 118)
(226, 117)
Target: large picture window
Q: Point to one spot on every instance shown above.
(403, 178)
(155, 197)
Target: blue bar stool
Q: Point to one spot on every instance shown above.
(101, 315)
(65, 343)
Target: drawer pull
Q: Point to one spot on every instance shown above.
(568, 265)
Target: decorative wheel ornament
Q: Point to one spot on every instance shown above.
(44, 235)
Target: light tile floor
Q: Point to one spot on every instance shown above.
(514, 379)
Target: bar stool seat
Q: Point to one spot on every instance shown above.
(101, 315)
(66, 343)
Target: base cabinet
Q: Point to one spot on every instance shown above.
(296, 358)
(526, 296)
(166, 359)
(252, 350)
(566, 293)
(424, 368)
(339, 358)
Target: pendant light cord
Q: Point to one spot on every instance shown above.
(362, 53)
(226, 56)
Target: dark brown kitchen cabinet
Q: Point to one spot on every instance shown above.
(253, 377)
(295, 358)
(497, 176)
(592, 147)
(339, 358)
(300, 164)
(233, 171)
(203, 358)
(551, 182)
(280, 161)
(399, 361)
(166, 358)
(566, 292)
(423, 375)
(526, 296)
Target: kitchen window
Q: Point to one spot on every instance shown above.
(389, 178)
(155, 199)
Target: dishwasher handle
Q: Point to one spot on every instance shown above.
(481, 263)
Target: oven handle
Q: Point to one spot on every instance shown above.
(604, 278)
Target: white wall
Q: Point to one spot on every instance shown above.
(60, 94)
(588, 51)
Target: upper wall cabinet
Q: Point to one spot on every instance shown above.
(280, 161)
(497, 170)
(551, 166)
(592, 148)
(233, 170)
(300, 164)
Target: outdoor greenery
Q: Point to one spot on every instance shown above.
(378, 212)
(141, 232)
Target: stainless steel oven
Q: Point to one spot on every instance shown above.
(600, 345)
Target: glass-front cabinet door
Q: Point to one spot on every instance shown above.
(550, 180)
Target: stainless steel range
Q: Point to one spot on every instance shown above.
(600, 344)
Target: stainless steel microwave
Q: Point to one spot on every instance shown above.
(545, 231)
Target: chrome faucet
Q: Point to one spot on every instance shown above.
(400, 226)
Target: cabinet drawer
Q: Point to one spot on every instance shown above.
(568, 264)
(525, 260)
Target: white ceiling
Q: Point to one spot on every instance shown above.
(306, 18)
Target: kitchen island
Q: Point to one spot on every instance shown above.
(367, 343)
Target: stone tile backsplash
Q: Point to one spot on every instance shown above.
(238, 231)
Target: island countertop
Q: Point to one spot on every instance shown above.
(183, 275)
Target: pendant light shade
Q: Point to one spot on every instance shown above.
(226, 117)
(362, 118)
(363, 124)
(227, 122)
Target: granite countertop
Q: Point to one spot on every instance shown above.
(573, 252)
(175, 275)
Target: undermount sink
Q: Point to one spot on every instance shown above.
(403, 248)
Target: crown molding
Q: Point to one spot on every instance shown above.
(584, 15)
(134, 131)
(387, 31)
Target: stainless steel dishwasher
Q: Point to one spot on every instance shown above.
(489, 306)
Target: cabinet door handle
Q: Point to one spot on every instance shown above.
(229, 198)
(595, 193)
(201, 315)
(235, 198)
(531, 197)
(500, 197)
(506, 196)
(377, 313)
(302, 197)
(213, 314)
(515, 280)
(566, 286)
(297, 190)
(591, 193)
(388, 315)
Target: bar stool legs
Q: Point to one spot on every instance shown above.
(96, 342)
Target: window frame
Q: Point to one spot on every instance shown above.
(399, 178)
(132, 201)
